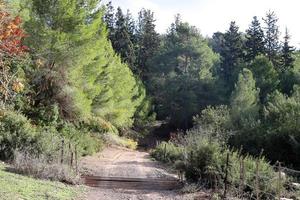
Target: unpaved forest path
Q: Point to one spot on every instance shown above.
(119, 162)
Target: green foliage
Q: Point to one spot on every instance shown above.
(217, 42)
(215, 120)
(79, 87)
(187, 84)
(15, 186)
(99, 125)
(83, 75)
(16, 133)
(168, 152)
(148, 42)
(87, 142)
(267, 176)
(265, 76)
(287, 59)
(204, 161)
(287, 66)
(272, 38)
(113, 139)
(121, 42)
(204, 158)
(232, 56)
(255, 44)
(109, 19)
(244, 100)
(282, 116)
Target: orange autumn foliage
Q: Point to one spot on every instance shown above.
(11, 35)
(11, 48)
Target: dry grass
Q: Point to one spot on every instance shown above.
(42, 169)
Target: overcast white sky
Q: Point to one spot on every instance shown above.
(214, 15)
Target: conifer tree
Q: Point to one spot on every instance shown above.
(109, 18)
(272, 38)
(287, 75)
(85, 77)
(254, 44)
(217, 42)
(147, 41)
(131, 27)
(265, 75)
(287, 59)
(122, 40)
(181, 74)
(244, 100)
(232, 56)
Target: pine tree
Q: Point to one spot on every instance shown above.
(109, 18)
(131, 26)
(265, 75)
(254, 44)
(272, 38)
(85, 77)
(147, 41)
(181, 76)
(122, 41)
(287, 59)
(287, 75)
(217, 42)
(245, 100)
(232, 56)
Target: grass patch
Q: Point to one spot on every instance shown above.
(16, 187)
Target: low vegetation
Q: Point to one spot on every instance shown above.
(114, 139)
(41, 168)
(14, 187)
(205, 163)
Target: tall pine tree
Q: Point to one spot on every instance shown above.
(147, 41)
(109, 19)
(254, 44)
(287, 59)
(122, 40)
(232, 56)
(131, 27)
(287, 75)
(85, 77)
(272, 38)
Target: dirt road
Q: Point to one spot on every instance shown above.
(118, 162)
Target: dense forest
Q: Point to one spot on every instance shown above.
(241, 86)
(74, 72)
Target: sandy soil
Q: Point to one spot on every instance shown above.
(121, 162)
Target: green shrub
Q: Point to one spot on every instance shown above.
(205, 162)
(99, 125)
(90, 144)
(168, 152)
(204, 158)
(48, 143)
(87, 142)
(215, 120)
(16, 132)
(267, 176)
(114, 139)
